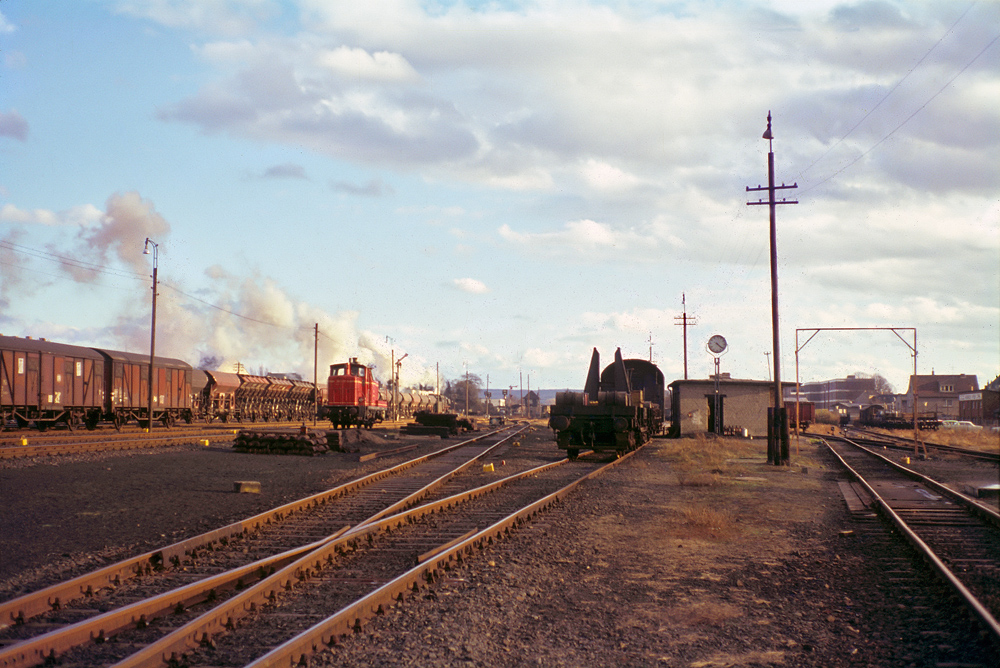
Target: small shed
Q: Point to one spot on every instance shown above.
(743, 405)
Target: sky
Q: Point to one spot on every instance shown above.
(500, 187)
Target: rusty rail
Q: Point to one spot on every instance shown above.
(48, 646)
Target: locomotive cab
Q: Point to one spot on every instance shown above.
(353, 396)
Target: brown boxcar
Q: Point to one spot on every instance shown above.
(126, 377)
(48, 383)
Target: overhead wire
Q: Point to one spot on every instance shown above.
(907, 120)
(889, 93)
(105, 270)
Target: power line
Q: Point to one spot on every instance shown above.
(68, 261)
(908, 118)
(886, 96)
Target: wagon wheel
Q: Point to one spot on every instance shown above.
(118, 422)
(72, 422)
(91, 422)
(572, 453)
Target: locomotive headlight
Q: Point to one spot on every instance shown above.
(620, 424)
(560, 422)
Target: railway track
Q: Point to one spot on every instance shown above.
(14, 445)
(956, 537)
(260, 557)
(901, 443)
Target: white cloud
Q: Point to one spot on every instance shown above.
(5, 25)
(225, 16)
(602, 176)
(470, 285)
(84, 215)
(358, 63)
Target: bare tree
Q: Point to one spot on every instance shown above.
(455, 391)
(882, 385)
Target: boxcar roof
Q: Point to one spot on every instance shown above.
(41, 345)
(140, 358)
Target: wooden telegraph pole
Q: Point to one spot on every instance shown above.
(777, 434)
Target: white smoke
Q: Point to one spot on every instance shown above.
(231, 320)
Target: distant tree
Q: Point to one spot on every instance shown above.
(824, 416)
(882, 385)
(455, 391)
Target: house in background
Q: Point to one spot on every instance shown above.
(938, 394)
(983, 407)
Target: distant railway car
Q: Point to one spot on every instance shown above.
(619, 409)
(48, 383)
(126, 377)
(353, 397)
(877, 416)
(806, 413)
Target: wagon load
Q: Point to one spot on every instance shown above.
(282, 442)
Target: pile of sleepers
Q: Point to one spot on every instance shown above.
(301, 442)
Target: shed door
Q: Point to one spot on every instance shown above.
(714, 426)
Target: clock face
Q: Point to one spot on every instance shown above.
(717, 344)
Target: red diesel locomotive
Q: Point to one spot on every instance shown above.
(353, 397)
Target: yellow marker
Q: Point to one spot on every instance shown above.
(204, 442)
(488, 468)
(24, 440)
(906, 460)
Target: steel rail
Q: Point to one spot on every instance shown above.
(987, 619)
(899, 442)
(978, 508)
(349, 619)
(22, 608)
(170, 648)
(48, 646)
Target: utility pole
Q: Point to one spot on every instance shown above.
(777, 441)
(683, 320)
(152, 330)
(315, 373)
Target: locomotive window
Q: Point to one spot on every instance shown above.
(361, 371)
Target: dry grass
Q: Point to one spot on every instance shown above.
(977, 440)
(712, 519)
(703, 461)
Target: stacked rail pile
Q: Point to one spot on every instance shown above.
(437, 424)
(304, 442)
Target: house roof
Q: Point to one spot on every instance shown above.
(931, 386)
